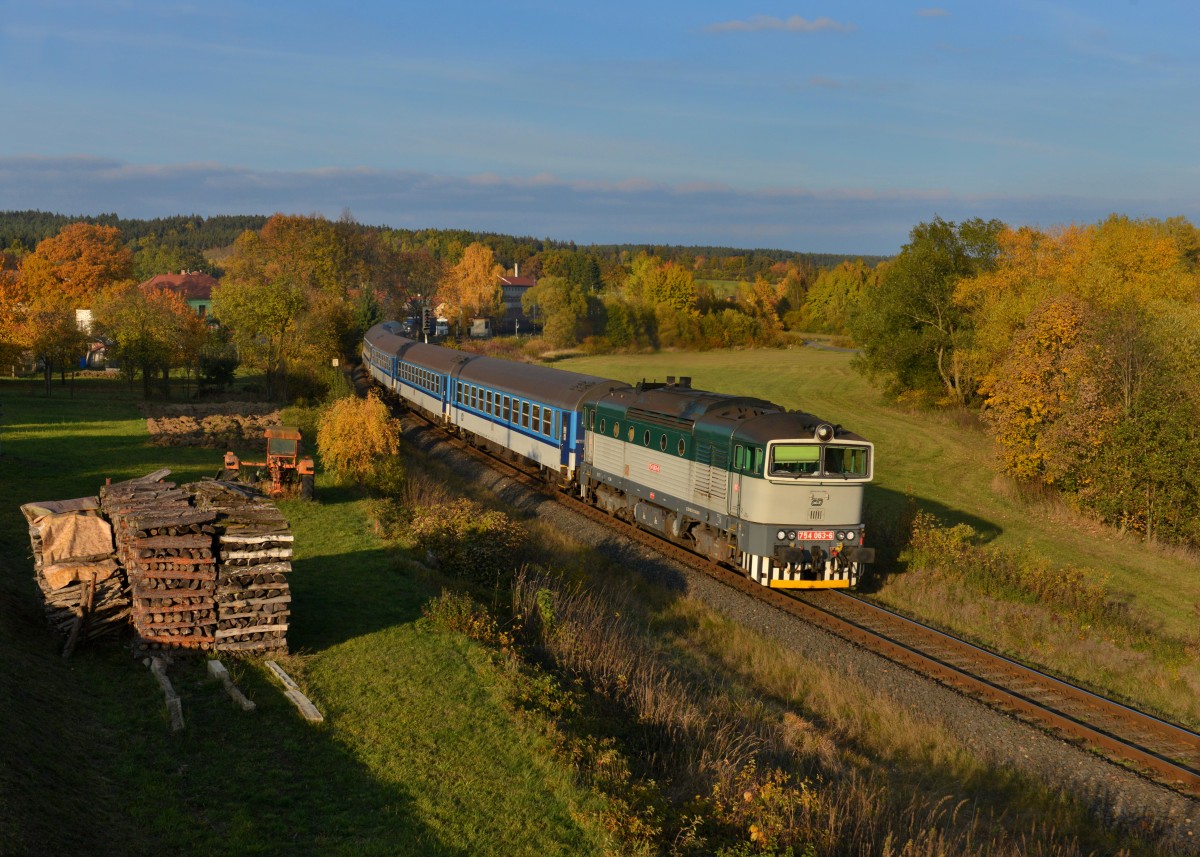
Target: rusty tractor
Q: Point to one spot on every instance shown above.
(286, 469)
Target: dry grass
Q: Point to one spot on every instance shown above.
(1162, 676)
(756, 745)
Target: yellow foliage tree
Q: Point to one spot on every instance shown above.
(1043, 399)
(359, 441)
(472, 287)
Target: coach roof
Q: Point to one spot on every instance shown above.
(556, 387)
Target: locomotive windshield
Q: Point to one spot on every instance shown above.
(810, 459)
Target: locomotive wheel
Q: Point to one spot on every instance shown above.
(306, 487)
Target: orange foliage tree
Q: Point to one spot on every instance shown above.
(471, 288)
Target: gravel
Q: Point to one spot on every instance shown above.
(1118, 793)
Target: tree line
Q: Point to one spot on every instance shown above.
(1079, 345)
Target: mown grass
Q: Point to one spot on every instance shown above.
(943, 463)
(418, 753)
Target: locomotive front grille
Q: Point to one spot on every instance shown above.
(816, 514)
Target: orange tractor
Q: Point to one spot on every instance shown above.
(289, 472)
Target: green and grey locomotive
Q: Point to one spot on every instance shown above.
(740, 480)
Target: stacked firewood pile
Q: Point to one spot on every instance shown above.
(255, 552)
(166, 546)
(78, 579)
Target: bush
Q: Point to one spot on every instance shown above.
(360, 441)
(467, 540)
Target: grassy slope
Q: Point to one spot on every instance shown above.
(947, 467)
(416, 756)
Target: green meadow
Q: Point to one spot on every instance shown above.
(88, 764)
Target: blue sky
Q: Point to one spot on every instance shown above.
(827, 127)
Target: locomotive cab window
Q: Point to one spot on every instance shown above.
(739, 454)
(794, 459)
(846, 460)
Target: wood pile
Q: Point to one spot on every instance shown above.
(254, 557)
(79, 583)
(166, 546)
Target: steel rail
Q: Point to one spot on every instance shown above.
(1159, 750)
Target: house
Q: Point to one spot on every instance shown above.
(195, 286)
(512, 289)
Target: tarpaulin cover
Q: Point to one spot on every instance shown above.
(33, 511)
(62, 574)
(74, 536)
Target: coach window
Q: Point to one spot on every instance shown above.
(758, 459)
(524, 414)
(507, 409)
(646, 438)
(537, 417)
(488, 407)
(592, 421)
(662, 442)
(632, 432)
(547, 422)
(738, 456)
(616, 429)
(602, 421)
(682, 447)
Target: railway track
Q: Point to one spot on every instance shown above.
(1163, 752)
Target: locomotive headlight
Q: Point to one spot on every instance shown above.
(792, 534)
(849, 535)
(841, 536)
(781, 535)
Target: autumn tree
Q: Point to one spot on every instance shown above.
(654, 282)
(359, 441)
(286, 295)
(835, 298)
(563, 308)
(471, 288)
(913, 333)
(65, 273)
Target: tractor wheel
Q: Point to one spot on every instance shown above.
(306, 487)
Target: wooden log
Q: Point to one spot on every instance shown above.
(293, 692)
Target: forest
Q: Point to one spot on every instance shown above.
(1074, 345)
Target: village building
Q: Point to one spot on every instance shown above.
(195, 287)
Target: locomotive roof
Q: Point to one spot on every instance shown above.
(787, 425)
(556, 387)
(681, 406)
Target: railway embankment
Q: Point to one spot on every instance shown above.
(850, 713)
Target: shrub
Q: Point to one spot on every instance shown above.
(360, 441)
(466, 539)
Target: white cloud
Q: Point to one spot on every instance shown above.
(794, 24)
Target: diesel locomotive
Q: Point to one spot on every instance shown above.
(776, 493)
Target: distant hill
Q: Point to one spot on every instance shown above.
(201, 234)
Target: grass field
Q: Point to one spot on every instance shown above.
(89, 765)
(422, 751)
(945, 463)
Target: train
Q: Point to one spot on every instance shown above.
(776, 494)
